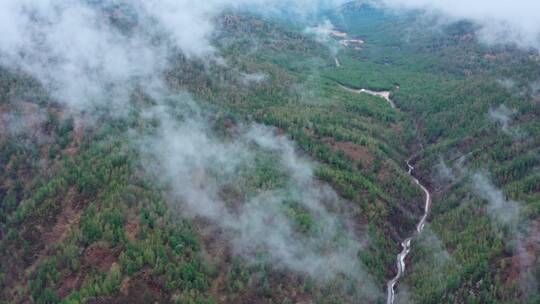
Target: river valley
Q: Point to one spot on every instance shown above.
(406, 245)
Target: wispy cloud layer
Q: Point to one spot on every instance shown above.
(323, 34)
(95, 54)
(90, 52)
(504, 116)
(500, 21)
(500, 208)
(294, 221)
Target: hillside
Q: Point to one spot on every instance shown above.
(479, 154)
(261, 173)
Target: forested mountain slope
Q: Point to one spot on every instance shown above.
(83, 222)
(259, 178)
(476, 111)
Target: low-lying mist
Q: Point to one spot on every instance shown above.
(323, 34)
(522, 235)
(257, 189)
(92, 53)
(499, 22)
(91, 56)
(503, 116)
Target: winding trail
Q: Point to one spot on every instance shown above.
(406, 245)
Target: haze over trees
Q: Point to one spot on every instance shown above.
(170, 151)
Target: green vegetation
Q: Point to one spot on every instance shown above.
(448, 84)
(79, 219)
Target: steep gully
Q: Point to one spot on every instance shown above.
(405, 244)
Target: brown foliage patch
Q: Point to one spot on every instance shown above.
(354, 151)
(68, 284)
(132, 228)
(77, 137)
(68, 217)
(99, 257)
(525, 256)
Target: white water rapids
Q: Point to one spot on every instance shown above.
(405, 244)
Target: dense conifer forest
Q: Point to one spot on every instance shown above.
(116, 203)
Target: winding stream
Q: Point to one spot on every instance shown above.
(405, 244)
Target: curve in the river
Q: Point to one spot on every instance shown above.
(405, 244)
(383, 94)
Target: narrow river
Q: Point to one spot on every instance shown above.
(383, 94)
(405, 244)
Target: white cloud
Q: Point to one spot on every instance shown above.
(500, 208)
(201, 170)
(501, 21)
(83, 59)
(323, 34)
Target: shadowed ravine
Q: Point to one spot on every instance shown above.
(405, 244)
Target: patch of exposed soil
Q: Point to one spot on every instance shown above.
(281, 287)
(384, 174)
(124, 286)
(354, 151)
(68, 284)
(132, 228)
(74, 145)
(525, 256)
(138, 290)
(69, 217)
(216, 252)
(99, 257)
